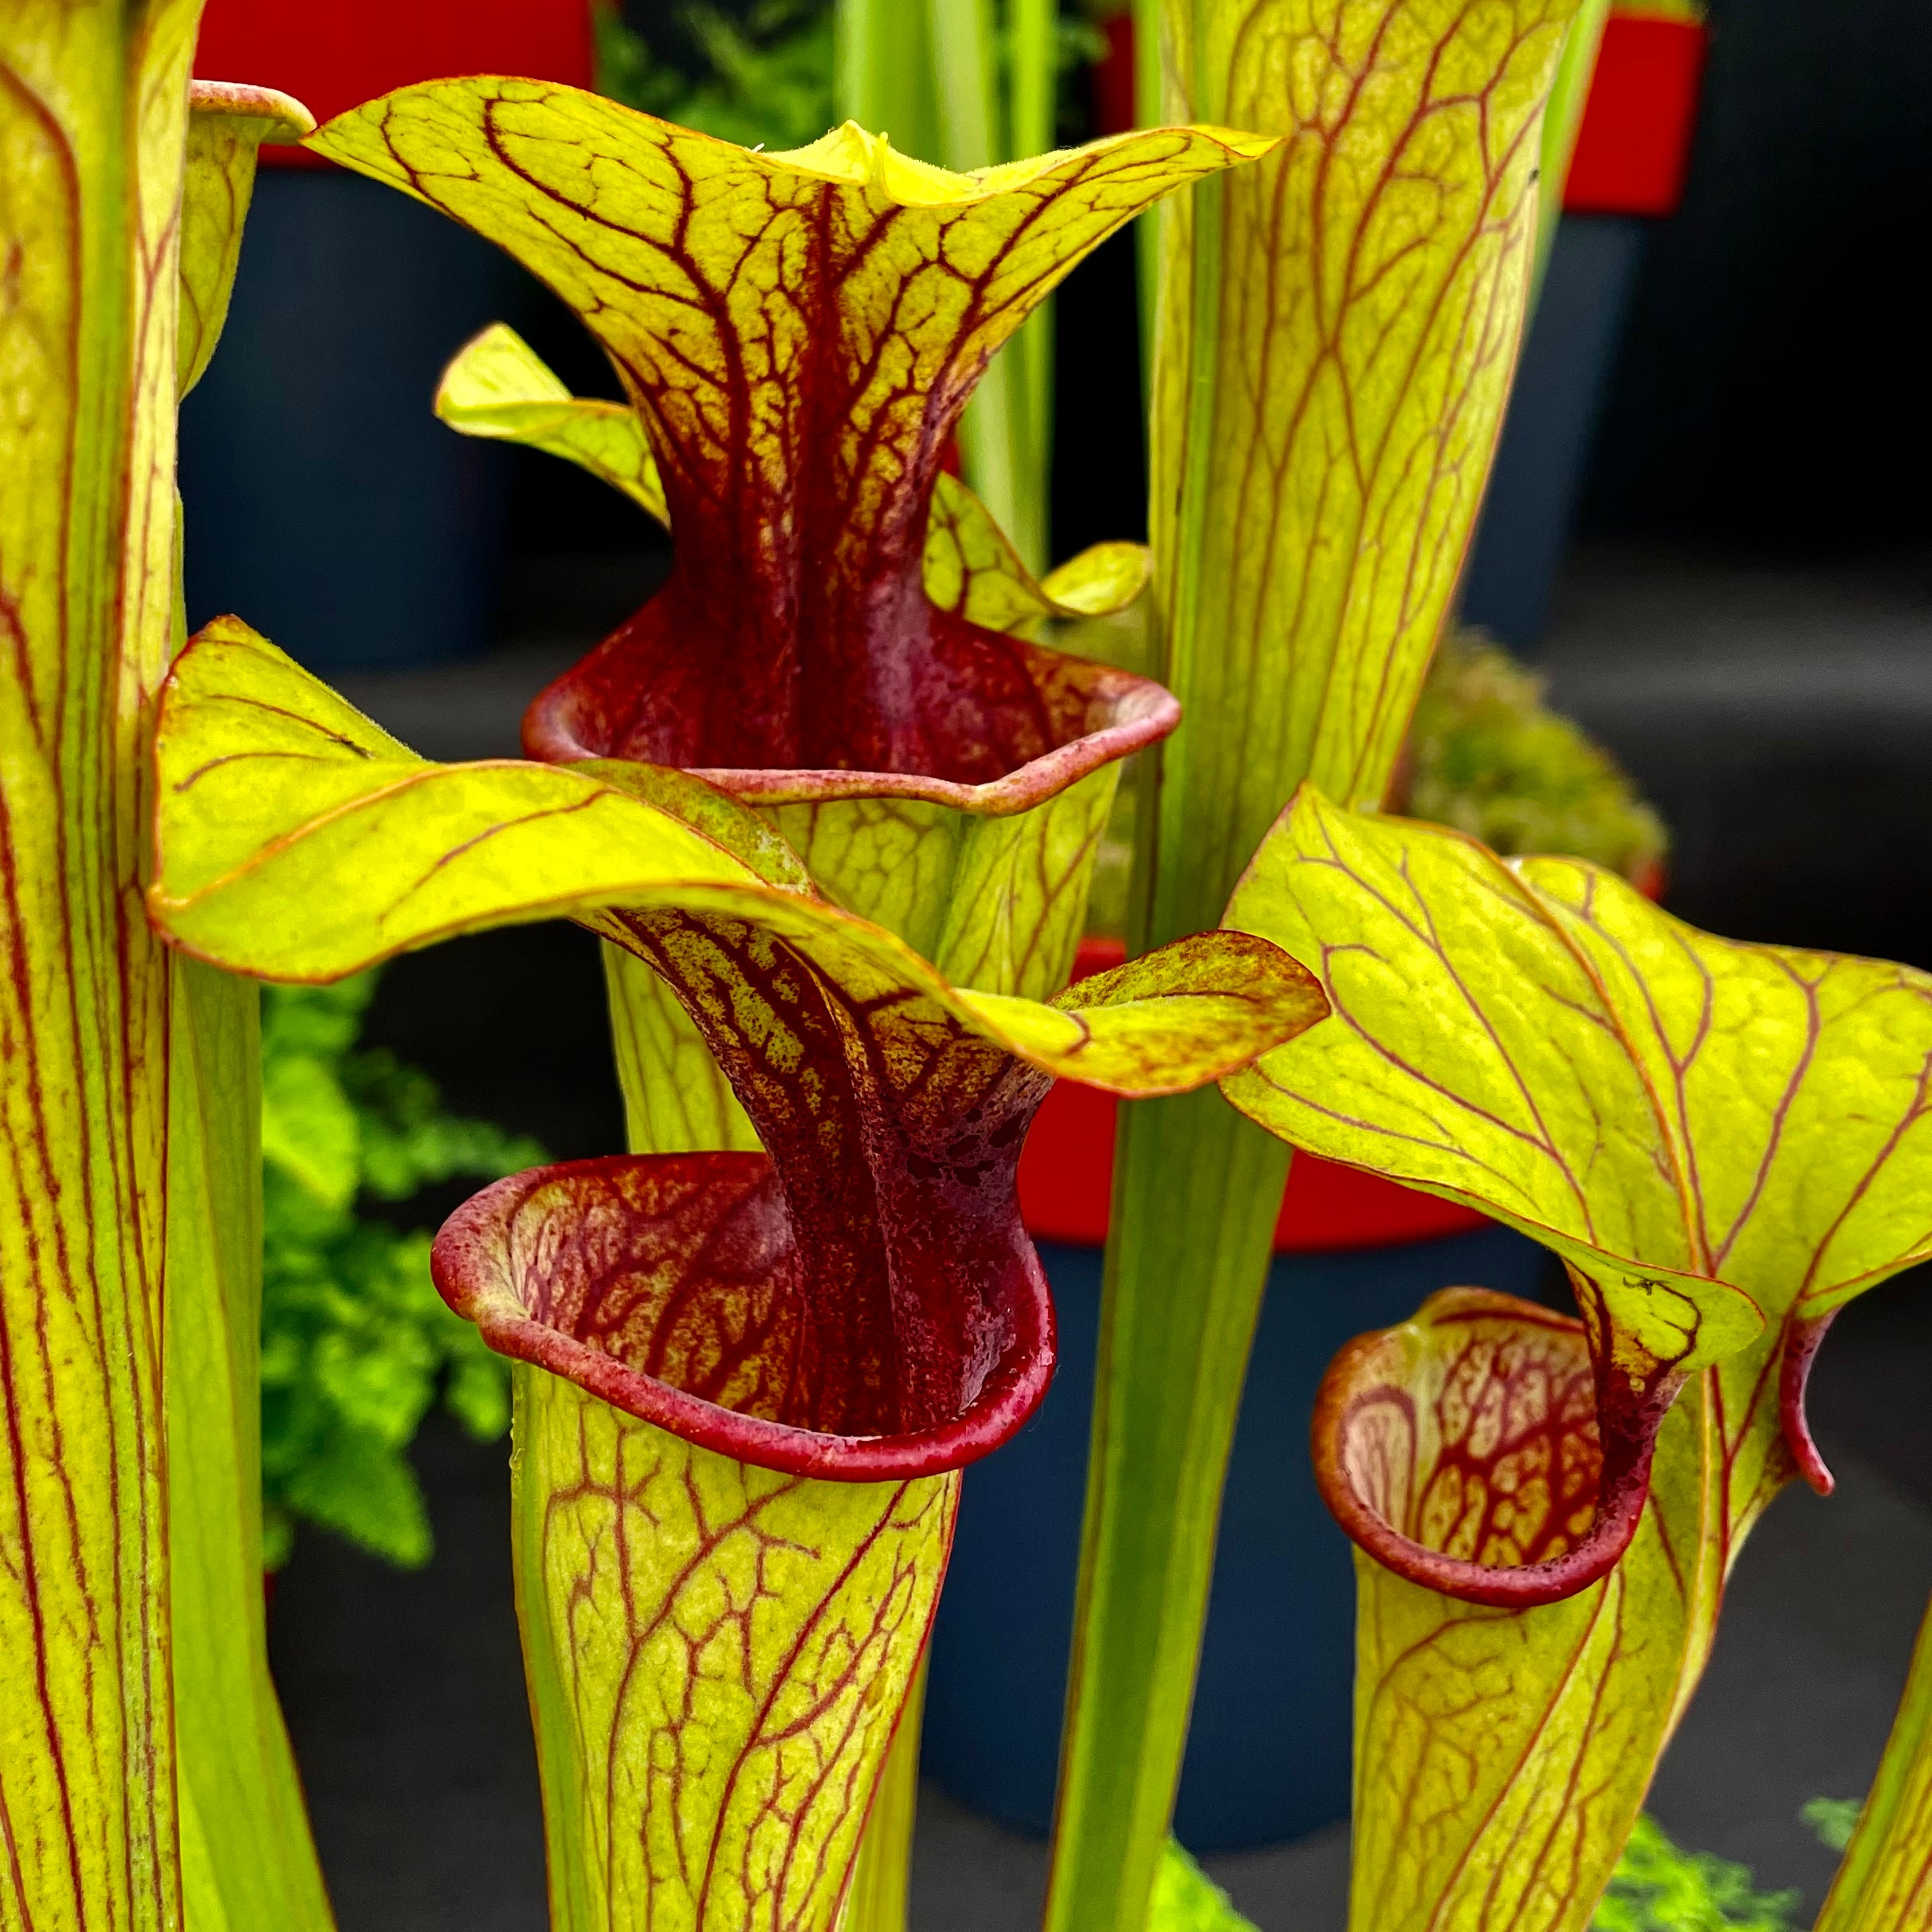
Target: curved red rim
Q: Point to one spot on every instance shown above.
(1008, 1398)
(1142, 713)
(1623, 1492)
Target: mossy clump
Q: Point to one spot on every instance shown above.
(1485, 756)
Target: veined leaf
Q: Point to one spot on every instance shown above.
(1794, 1085)
(1658, 1106)
(275, 794)
(1791, 1083)
(496, 385)
(793, 634)
(1478, 1058)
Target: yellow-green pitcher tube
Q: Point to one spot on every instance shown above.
(1336, 330)
(93, 115)
(999, 905)
(714, 1651)
(148, 1779)
(248, 1857)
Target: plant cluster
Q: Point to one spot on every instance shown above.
(834, 810)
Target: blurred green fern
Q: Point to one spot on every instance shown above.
(356, 1345)
(1657, 1887)
(762, 80)
(1187, 1900)
(1832, 1821)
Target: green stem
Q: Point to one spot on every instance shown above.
(1562, 119)
(882, 72)
(1196, 1189)
(248, 1860)
(1885, 1883)
(923, 73)
(1302, 575)
(1196, 1192)
(1147, 108)
(1033, 91)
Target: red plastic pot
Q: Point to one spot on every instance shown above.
(333, 55)
(1066, 1176)
(1633, 148)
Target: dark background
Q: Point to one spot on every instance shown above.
(1772, 389)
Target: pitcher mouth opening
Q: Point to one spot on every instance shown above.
(1053, 718)
(1469, 1451)
(671, 1287)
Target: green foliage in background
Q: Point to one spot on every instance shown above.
(1187, 1900)
(1833, 1820)
(764, 80)
(1487, 757)
(1659, 1888)
(355, 1342)
(763, 75)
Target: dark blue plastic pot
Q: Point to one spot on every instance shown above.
(323, 502)
(1268, 1752)
(1543, 457)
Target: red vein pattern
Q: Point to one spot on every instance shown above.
(719, 1654)
(1504, 1743)
(93, 105)
(1472, 1436)
(1503, 1754)
(1340, 323)
(873, 1259)
(728, 1640)
(799, 334)
(1682, 1117)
